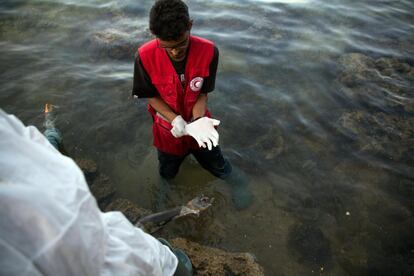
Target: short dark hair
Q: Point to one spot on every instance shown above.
(169, 19)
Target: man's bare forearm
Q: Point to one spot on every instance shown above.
(161, 107)
(200, 107)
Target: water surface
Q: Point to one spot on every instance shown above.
(325, 201)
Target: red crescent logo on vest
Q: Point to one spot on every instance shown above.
(196, 84)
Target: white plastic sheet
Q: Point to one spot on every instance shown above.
(50, 223)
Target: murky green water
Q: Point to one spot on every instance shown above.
(326, 137)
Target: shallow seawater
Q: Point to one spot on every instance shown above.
(328, 151)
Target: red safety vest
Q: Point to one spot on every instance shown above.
(181, 100)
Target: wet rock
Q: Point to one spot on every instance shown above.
(388, 135)
(271, 145)
(202, 228)
(409, 107)
(385, 249)
(113, 43)
(255, 147)
(213, 261)
(217, 22)
(266, 28)
(102, 190)
(391, 64)
(411, 73)
(309, 245)
(131, 211)
(32, 21)
(356, 68)
(382, 82)
(88, 167)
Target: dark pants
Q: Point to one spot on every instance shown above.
(211, 160)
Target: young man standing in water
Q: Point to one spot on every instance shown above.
(175, 72)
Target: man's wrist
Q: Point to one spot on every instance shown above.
(196, 118)
(177, 119)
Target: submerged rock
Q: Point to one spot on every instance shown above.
(102, 190)
(88, 167)
(389, 135)
(271, 145)
(266, 29)
(257, 145)
(214, 261)
(308, 244)
(112, 43)
(383, 82)
(132, 212)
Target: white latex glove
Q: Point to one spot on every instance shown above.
(178, 124)
(204, 132)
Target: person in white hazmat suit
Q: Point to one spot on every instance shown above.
(50, 223)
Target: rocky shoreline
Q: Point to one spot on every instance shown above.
(206, 260)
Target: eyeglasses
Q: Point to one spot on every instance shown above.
(178, 46)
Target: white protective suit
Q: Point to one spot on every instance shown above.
(50, 223)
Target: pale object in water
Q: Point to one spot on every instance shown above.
(51, 133)
(154, 222)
